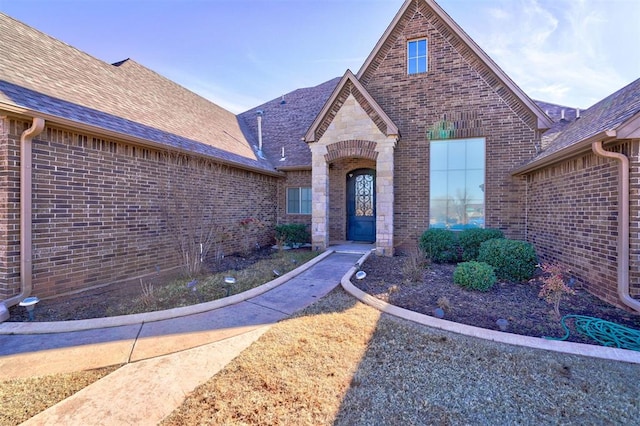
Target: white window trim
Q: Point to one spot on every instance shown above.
(415, 58)
(300, 200)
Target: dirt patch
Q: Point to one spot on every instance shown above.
(518, 303)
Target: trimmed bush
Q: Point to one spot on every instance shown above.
(513, 260)
(474, 276)
(470, 240)
(292, 233)
(439, 245)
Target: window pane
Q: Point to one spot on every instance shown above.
(438, 155)
(456, 156)
(422, 65)
(475, 154)
(475, 184)
(305, 205)
(422, 47)
(438, 184)
(293, 200)
(413, 49)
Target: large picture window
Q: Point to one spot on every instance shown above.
(298, 200)
(456, 189)
(417, 56)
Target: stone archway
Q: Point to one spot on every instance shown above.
(381, 152)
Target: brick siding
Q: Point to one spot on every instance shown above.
(98, 214)
(458, 87)
(572, 218)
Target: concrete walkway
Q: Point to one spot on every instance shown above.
(168, 354)
(165, 359)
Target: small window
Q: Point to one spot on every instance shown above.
(298, 200)
(417, 56)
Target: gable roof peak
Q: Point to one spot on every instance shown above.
(543, 121)
(383, 119)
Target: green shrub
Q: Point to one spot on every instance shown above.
(470, 240)
(439, 245)
(474, 276)
(513, 260)
(292, 233)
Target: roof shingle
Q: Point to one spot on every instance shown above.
(126, 97)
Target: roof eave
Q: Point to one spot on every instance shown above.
(26, 112)
(562, 154)
(392, 129)
(630, 129)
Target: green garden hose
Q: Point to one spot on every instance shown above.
(604, 332)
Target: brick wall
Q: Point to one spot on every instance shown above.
(98, 209)
(9, 210)
(572, 218)
(457, 88)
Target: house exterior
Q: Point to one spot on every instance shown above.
(430, 132)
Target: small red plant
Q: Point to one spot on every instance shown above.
(554, 288)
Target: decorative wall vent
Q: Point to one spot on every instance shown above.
(441, 129)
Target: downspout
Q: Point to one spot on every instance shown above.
(623, 223)
(25, 212)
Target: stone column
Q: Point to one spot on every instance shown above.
(319, 197)
(384, 197)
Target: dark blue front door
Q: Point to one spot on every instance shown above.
(361, 205)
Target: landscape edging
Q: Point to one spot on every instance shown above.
(122, 320)
(613, 354)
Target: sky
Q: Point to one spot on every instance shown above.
(242, 53)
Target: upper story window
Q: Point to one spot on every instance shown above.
(298, 200)
(417, 56)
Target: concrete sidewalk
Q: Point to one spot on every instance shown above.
(164, 359)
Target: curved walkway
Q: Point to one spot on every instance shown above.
(168, 354)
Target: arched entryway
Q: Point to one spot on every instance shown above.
(361, 205)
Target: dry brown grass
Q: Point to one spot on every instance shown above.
(297, 373)
(340, 362)
(22, 399)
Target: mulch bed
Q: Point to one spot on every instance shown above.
(96, 303)
(518, 303)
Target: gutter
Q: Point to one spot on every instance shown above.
(100, 131)
(578, 148)
(26, 258)
(623, 223)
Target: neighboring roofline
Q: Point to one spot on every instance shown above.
(392, 129)
(65, 122)
(544, 122)
(562, 154)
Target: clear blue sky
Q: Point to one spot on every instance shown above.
(241, 53)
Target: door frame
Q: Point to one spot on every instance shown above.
(370, 222)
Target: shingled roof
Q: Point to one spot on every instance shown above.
(607, 115)
(285, 121)
(39, 74)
